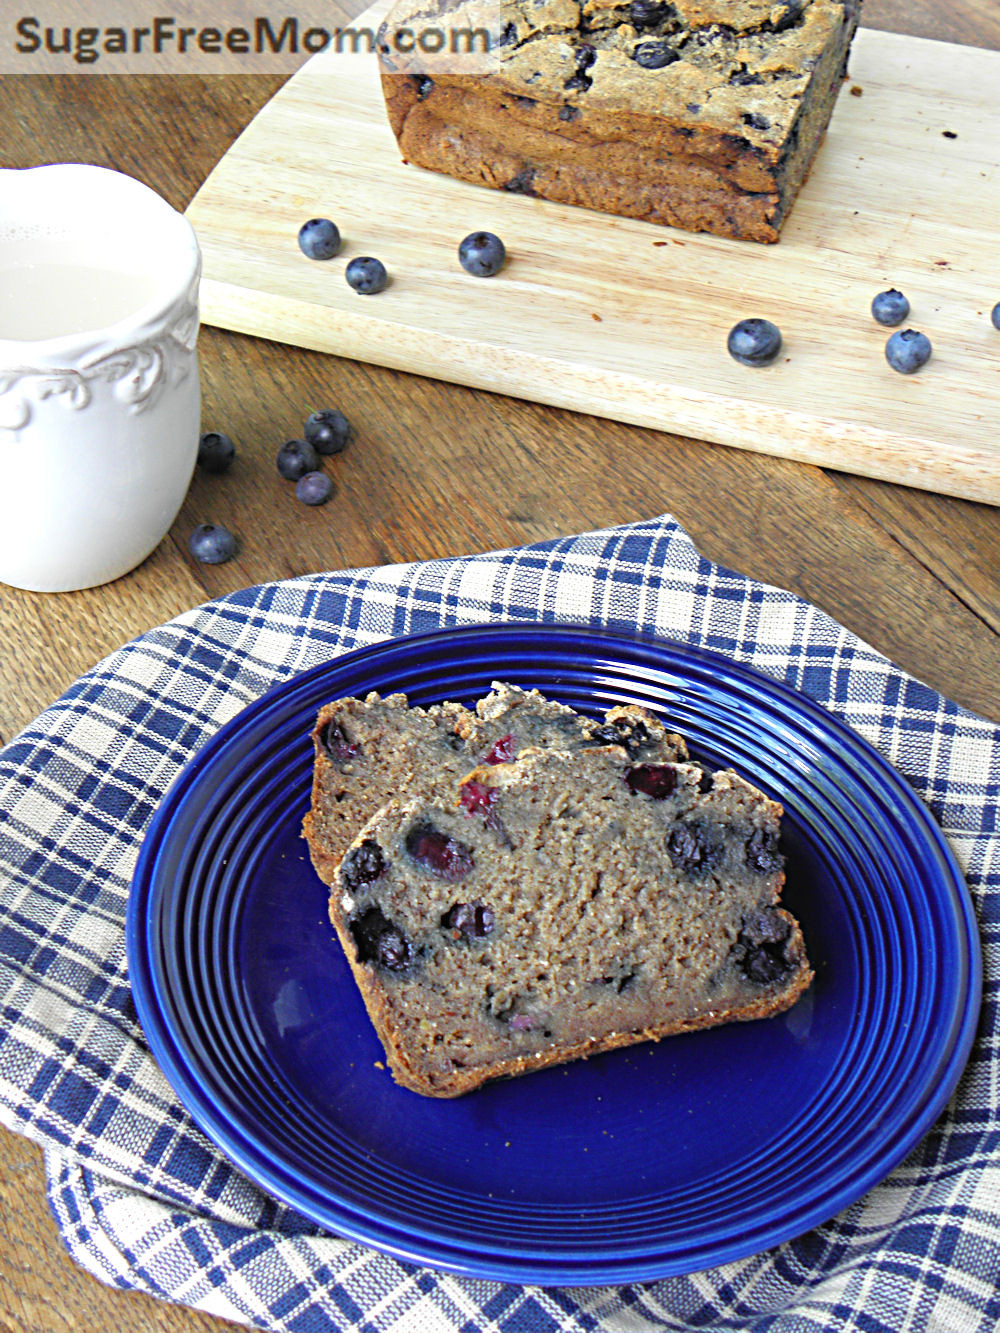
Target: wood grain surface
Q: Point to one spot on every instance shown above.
(627, 320)
(434, 470)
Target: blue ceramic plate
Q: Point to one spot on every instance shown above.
(634, 1165)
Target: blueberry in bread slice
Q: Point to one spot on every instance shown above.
(560, 905)
(369, 751)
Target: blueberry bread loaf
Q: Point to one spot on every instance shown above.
(702, 114)
(560, 905)
(368, 751)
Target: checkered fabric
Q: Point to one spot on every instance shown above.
(144, 1200)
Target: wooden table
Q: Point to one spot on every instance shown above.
(438, 470)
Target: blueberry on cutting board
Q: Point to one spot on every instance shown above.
(908, 350)
(319, 238)
(366, 275)
(754, 342)
(890, 307)
(482, 254)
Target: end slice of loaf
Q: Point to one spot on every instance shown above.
(702, 114)
(373, 750)
(563, 904)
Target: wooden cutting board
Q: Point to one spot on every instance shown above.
(628, 320)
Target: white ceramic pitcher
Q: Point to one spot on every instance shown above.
(99, 390)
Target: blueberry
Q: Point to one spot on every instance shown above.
(314, 488)
(580, 81)
(212, 544)
(650, 13)
(469, 920)
(654, 55)
(478, 799)
(995, 316)
(362, 865)
(482, 254)
(763, 965)
(762, 854)
(762, 944)
(523, 182)
(631, 733)
(607, 734)
(319, 238)
(655, 780)
(327, 431)
(692, 848)
(296, 458)
(215, 451)
(890, 308)
(787, 17)
(366, 275)
(445, 857)
(380, 942)
(337, 743)
(764, 926)
(502, 750)
(907, 351)
(754, 342)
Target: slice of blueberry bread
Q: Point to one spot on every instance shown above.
(560, 905)
(369, 751)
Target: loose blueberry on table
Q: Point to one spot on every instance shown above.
(908, 350)
(754, 342)
(314, 488)
(216, 451)
(212, 544)
(295, 458)
(482, 254)
(995, 316)
(890, 307)
(328, 431)
(366, 275)
(319, 238)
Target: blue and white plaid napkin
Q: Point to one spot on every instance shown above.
(144, 1201)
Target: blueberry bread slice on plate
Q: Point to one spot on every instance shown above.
(563, 904)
